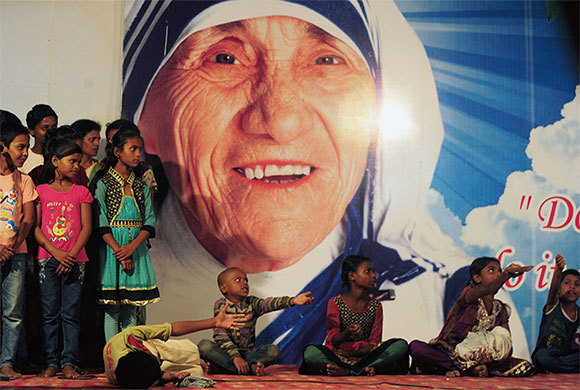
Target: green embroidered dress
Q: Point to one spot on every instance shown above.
(124, 217)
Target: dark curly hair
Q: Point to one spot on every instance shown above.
(350, 264)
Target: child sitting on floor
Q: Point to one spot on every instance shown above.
(235, 352)
(475, 311)
(555, 351)
(140, 356)
(354, 325)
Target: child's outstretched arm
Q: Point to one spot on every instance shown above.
(555, 284)
(302, 299)
(491, 289)
(222, 320)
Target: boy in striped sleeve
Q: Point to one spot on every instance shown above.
(235, 351)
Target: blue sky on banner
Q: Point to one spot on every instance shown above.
(507, 83)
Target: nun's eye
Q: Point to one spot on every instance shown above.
(328, 60)
(224, 58)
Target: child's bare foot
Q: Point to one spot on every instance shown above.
(173, 376)
(334, 370)
(9, 372)
(452, 374)
(47, 372)
(480, 371)
(370, 371)
(69, 372)
(258, 369)
(216, 369)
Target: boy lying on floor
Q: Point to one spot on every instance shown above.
(141, 356)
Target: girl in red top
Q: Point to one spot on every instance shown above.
(354, 323)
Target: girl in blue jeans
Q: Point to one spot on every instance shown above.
(62, 230)
(17, 197)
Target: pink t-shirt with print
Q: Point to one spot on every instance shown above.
(61, 217)
(16, 189)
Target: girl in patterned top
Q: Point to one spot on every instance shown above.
(125, 220)
(475, 318)
(354, 331)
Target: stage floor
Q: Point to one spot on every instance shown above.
(286, 377)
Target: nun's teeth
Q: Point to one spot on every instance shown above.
(260, 172)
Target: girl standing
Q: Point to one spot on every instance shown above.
(17, 195)
(474, 318)
(354, 326)
(90, 131)
(125, 221)
(62, 230)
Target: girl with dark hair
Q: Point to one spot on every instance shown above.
(463, 347)
(90, 132)
(62, 230)
(125, 221)
(17, 195)
(67, 132)
(354, 327)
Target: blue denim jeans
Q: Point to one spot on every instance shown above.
(60, 296)
(211, 352)
(12, 277)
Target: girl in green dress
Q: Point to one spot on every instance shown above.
(125, 220)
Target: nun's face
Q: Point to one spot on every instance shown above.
(263, 127)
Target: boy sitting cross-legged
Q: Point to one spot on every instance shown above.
(555, 350)
(235, 351)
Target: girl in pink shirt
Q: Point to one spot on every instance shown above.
(62, 230)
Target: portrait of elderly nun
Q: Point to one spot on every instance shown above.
(293, 134)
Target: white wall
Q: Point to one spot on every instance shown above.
(67, 54)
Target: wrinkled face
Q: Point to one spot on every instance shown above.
(263, 127)
(68, 166)
(130, 153)
(39, 131)
(17, 151)
(91, 141)
(570, 288)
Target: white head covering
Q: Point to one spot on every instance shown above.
(410, 129)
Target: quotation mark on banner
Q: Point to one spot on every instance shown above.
(524, 204)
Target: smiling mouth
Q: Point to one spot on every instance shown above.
(276, 174)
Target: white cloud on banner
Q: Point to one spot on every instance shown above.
(555, 154)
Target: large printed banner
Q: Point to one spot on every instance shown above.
(422, 134)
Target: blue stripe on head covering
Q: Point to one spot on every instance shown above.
(154, 32)
(158, 25)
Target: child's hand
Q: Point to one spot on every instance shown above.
(355, 330)
(5, 253)
(482, 356)
(127, 265)
(229, 321)
(516, 270)
(124, 252)
(62, 269)
(64, 258)
(242, 366)
(560, 261)
(302, 299)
